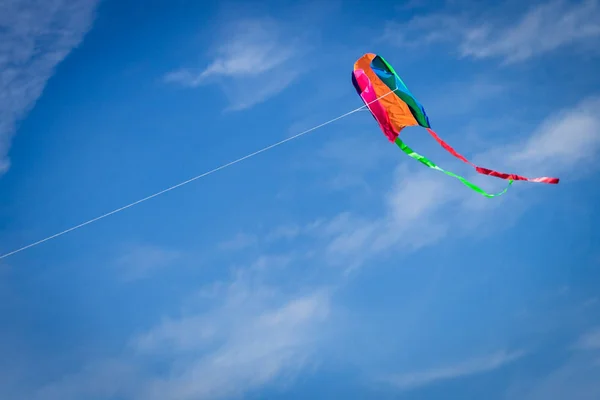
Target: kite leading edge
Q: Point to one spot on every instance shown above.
(373, 78)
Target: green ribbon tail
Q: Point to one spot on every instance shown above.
(411, 153)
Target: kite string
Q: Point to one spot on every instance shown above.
(212, 171)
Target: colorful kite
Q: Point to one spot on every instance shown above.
(394, 107)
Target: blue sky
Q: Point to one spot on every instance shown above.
(331, 267)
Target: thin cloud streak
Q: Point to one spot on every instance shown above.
(542, 29)
(140, 261)
(589, 340)
(35, 37)
(470, 367)
(252, 63)
(258, 345)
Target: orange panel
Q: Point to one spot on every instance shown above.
(398, 111)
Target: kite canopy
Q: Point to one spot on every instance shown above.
(394, 107)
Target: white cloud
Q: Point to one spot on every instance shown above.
(456, 98)
(342, 152)
(104, 379)
(256, 346)
(253, 51)
(283, 232)
(35, 36)
(473, 366)
(543, 28)
(577, 378)
(348, 167)
(241, 337)
(589, 340)
(140, 260)
(412, 219)
(252, 338)
(569, 137)
(256, 60)
(239, 242)
(424, 30)
(591, 302)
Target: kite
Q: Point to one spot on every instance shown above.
(394, 107)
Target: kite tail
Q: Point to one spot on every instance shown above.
(485, 171)
(430, 164)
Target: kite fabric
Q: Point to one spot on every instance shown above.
(394, 107)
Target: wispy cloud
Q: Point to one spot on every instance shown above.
(34, 38)
(569, 137)
(256, 60)
(347, 167)
(239, 242)
(237, 336)
(591, 302)
(240, 346)
(101, 379)
(141, 260)
(589, 340)
(412, 206)
(283, 232)
(574, 378)
(473, 366)
(458, 98)
(251, 338)
(542, 29)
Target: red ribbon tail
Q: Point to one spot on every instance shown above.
(490, 172)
